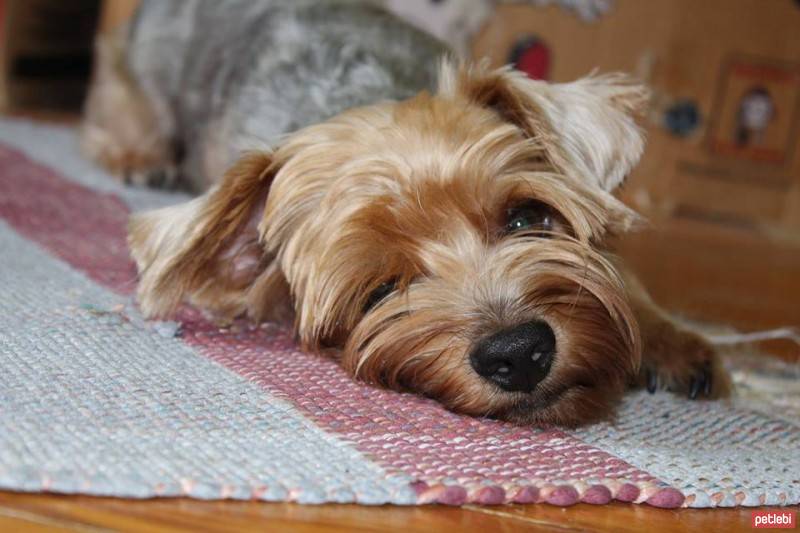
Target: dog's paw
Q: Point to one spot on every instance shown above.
(684, 363)
(146, 163)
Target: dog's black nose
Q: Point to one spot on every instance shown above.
(518, 358)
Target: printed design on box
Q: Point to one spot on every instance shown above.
(531, 55)
(756, 111)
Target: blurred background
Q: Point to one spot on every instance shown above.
(720, 179)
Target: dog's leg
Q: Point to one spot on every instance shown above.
(674, 358)
(120, 130)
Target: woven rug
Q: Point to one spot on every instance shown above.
(95, 400)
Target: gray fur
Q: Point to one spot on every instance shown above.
(229, 75)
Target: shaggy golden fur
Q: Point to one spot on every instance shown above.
(417, 193)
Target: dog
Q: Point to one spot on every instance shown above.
(436, 226)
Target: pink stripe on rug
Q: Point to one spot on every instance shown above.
(84, 228)
(454, 459)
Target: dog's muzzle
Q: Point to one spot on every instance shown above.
(516, 359)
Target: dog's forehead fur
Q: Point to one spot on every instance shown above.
(436, 163)
(407, 161)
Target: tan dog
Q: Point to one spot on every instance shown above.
(450, 244)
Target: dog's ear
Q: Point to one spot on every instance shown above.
(208, 251)
(587, 127)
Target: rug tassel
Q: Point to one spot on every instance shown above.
(791, 334)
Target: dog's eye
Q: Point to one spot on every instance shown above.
(379, 293)
(531, 215)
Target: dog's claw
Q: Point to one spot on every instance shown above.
(652, 381)
(696, 385)
(709, 382)
(707, 377)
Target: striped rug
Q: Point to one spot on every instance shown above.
(96, 400)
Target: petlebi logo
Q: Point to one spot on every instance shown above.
(777, 519)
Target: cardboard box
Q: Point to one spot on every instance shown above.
(724, 132)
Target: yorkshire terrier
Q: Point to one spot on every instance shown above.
(436, 226)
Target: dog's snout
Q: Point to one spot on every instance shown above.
(518, 358)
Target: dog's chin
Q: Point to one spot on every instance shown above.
(565, 405)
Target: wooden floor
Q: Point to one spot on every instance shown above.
(33, 513)
(720, 275)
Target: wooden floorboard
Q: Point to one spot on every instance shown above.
(720, 276)
(38, 512)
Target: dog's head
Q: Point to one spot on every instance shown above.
(449, 244)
